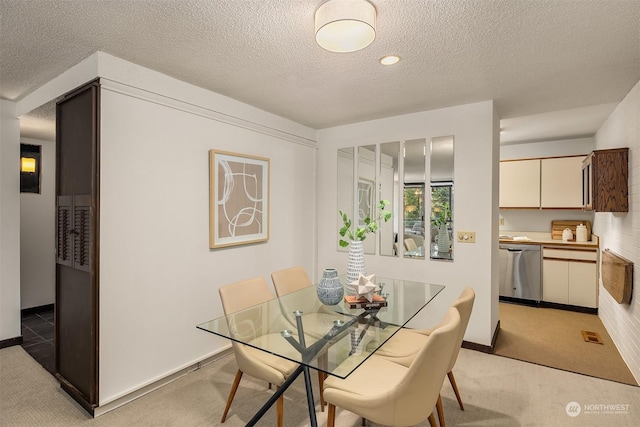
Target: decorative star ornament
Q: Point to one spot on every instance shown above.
(365, 287)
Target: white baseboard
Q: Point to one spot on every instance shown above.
(110, 406)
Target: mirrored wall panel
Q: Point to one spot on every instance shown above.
(422, 220)
(441, 179)
(413, 210)
(366, 192)
(389, 179)
(345, 188)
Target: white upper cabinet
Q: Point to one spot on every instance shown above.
(520, 184)
(561, 182)
(549, 183)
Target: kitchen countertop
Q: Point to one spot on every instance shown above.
(544, 239)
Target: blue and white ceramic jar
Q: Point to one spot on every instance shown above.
(330, 290)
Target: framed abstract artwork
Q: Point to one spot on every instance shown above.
(238, 199)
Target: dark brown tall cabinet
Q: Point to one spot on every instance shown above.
(605, 175)
(77, 190)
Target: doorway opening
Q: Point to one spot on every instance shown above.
(37, 233)
(38, 333)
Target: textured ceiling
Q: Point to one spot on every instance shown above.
(530, 56)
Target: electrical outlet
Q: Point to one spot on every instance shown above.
(466, 236)
(501, 221)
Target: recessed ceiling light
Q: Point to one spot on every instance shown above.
(389, 59)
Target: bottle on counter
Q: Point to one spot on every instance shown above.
(581, 233)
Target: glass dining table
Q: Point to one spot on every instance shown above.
(333, 339)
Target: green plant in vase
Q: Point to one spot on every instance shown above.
(353, 237)
(441, 215)
(358, 234)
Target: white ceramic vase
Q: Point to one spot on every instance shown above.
(355, 265)
(443, 239)
(330, 289)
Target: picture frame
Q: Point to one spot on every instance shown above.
(238, 199)
(365, 200)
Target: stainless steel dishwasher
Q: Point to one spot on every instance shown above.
(520, 273)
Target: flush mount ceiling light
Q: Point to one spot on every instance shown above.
(345, 25)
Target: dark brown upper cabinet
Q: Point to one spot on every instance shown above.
(605, 180)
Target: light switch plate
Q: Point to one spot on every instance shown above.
(466, 236)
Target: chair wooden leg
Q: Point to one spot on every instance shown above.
(323, 361)
(432, 420)
(452, 380)
(321, 377)
(280, 410)
(440, 411)
(331, 417)
(232, 394)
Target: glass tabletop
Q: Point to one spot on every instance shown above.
(334, 339)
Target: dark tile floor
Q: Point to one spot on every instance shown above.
(37, 337)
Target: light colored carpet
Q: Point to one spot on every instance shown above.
(553, 338)
(496, 391)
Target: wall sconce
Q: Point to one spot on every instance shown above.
(30, 156)
(28, 165)
(345, 25)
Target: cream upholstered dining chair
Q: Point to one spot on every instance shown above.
(239, 297)
(392, 394)
(404, 345)
(290, 280)
(317, 322)
(410, 244)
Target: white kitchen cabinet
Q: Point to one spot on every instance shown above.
(561, 182)
(520, 184)
(570, 277)
(583, 288)
(555, 281)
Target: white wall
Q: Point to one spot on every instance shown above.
(620, 232)
(37, 234)
(562, 147)
(158, 277)
(474, 127)
(9, 221)
(540, 220)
